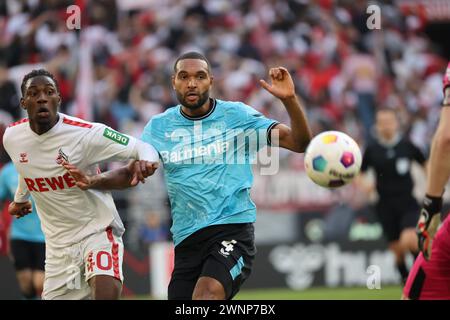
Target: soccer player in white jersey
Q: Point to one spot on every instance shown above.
(84, 248)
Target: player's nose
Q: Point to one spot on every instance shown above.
(192, 83)
(42, 98)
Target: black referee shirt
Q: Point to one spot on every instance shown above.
(392, 165)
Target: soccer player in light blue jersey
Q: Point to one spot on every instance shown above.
(26, 239)
(207, 146)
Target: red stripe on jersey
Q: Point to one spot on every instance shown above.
(77, 123)
(18, 122)
(115, 253)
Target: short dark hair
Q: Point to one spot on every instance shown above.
(37, 73)
(191, 55)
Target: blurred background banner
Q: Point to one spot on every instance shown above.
(116, 69)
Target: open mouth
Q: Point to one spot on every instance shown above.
(192, 96)
(43, 112)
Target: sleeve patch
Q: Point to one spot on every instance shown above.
(116, 136)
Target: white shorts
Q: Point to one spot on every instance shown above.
(68, 270)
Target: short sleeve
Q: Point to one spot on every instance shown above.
(105, 144)
(147, 133)
(255, 120)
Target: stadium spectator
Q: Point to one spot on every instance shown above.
(154, 229)
(9, 98)
(429, 278)
(82, 229)
(391, 156)
(27, 241)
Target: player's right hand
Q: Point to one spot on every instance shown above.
(141, 169)
(82, 180)
(429, 220)
(19, 210)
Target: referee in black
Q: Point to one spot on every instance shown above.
(391, 156)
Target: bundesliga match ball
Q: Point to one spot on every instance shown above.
(332, 159)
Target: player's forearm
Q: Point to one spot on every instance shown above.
(300, 130)
(110, 180)
(22, 194)
(439, 162)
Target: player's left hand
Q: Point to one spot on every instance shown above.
(282, 86)
(429, 220)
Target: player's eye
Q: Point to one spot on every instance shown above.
(201, 76)
(50, 92)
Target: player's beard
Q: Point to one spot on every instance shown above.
(202, 98)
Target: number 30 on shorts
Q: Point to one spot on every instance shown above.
(100, 259)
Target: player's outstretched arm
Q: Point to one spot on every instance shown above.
(128, 176)
(438, 175)
(297, 137)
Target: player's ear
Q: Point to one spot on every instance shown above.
(22, 103)
(173, 82)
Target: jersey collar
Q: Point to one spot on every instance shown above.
(212, 101)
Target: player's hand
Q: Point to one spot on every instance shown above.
(141, 169)
(82, 180)
(19, 210)
(429, 220)
(282, 85)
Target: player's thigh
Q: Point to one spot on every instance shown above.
(410, 216)
(103, 255)
(187, 268)
(64, 269)
(231, 269)
(389, 220)
(105, 287)
(21, 254)
(38, 256)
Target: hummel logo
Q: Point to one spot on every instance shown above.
(228, 246)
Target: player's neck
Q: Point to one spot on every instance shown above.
(199, 112)
(43, 128)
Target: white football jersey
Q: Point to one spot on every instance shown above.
(68, 214)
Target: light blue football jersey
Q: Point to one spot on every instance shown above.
(27, 228)
(208, 163)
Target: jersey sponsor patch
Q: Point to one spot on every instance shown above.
(116, 136)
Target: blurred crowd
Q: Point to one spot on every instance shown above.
(124, 51)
